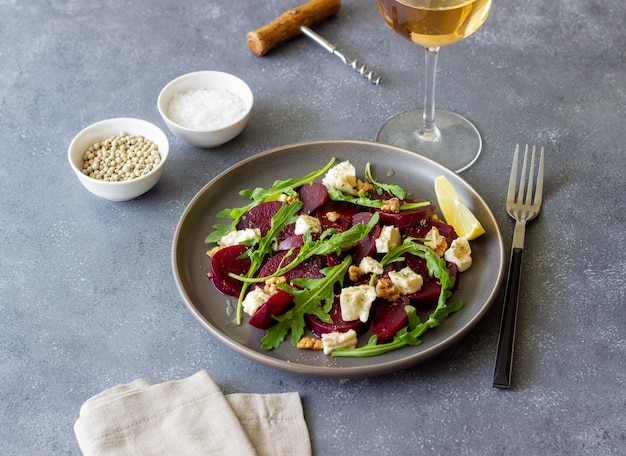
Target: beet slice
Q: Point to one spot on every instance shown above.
(260, 217)
(309, 268)
(428, 295)
(313, 196)
(422, 230)
(389, 318)
(406, 219)
(291, 242)
(225, 261)
(320, 327)
(278, 303)
(366, 246)
(343, 209)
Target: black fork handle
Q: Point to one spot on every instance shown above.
(506, 340)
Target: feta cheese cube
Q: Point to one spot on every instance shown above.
(406, 280)
(307, 223)
(238, 236)
(253, 300)
(342, 176)
(370, 265)
(356, 302)
(334, 340)
(460, 254)
(389, 238)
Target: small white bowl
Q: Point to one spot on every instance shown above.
(99, 131)
(209, 80)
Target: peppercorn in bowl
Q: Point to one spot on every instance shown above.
(206, 108)
(119, 159)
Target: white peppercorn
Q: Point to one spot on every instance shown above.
(121, 158)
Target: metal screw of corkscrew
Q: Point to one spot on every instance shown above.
(353, 63)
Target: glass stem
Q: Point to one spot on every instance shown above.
(429, 131)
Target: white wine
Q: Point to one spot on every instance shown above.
(434, 23)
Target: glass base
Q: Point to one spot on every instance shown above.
(457, 147)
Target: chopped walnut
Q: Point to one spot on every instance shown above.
(436, 242)
(310, 343)
(391, 206)
(386, 289)
(365, 187)
(354, 273)
(288, 198)
(333, 216)
(270, 284)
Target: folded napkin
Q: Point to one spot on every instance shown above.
(190, 417)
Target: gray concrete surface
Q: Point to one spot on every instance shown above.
(87, 298)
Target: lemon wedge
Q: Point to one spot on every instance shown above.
(454, 210)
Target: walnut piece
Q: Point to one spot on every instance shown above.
(354, 273)
(270, 284)
(310, 343)
(386, 289)
(391, 206)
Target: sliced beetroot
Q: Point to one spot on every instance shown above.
(341, 218)
(389, 318)
(320, 327)
(287, 231)
(278, 303)
(421, 230)
(406, 219)
(417, 264)
(294, 241)
(260, 217)
(309, 268)
(428, 295)
(313, 196)
(366, 246)
(225, 261)
(361, 217)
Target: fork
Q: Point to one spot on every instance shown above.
(523, 207)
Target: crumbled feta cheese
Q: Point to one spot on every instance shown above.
(334, 340)
(342, 176)
(253, 300)
(238, 236)
(370, 265)
(406, 280)
(356, 302)
(307, 223)
(460, 254)
(389, 237)
(436, 242)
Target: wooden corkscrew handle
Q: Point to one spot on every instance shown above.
(287, 25)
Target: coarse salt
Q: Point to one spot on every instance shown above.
(206, 109)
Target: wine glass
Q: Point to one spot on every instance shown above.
(454, 141)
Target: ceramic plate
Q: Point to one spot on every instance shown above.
(215, 312)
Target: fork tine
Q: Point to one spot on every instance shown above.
(510, 196)
(531, 178)
(539, 188)
(522, 180)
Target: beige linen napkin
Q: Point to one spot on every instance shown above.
(190, 417)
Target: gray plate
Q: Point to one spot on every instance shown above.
(478, 286)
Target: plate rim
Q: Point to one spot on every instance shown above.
(330, 371)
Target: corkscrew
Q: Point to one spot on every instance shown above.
(296, 22)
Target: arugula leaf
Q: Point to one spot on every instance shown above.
(315, 297)
(260, 195)
(338, 195)
(380, 187)
(283, 217)
(411, 334)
